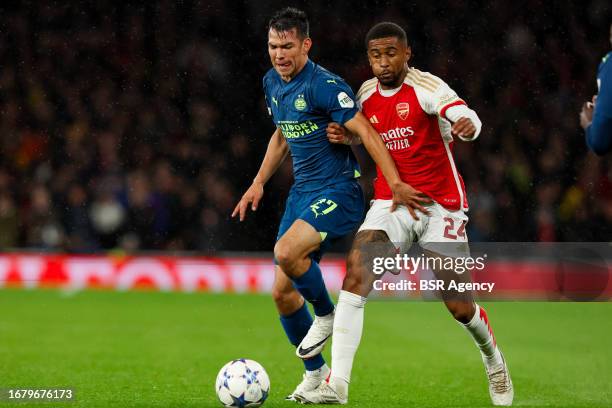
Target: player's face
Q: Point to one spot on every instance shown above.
(288, 52)
(389, 60)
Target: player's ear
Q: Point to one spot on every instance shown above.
(408, 54)
(306, 44)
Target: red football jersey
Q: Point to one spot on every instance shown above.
(411, 121)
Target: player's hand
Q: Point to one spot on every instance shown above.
(252, 196)
(413, 199)
(336, 133)
(586, 114)
(463, 128)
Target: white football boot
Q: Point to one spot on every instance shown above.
(325, 393)
(310, 381)
(500, 384)
(318, 334)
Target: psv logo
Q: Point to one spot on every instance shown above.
(402, 110)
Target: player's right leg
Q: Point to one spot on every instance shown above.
(372, 240)
(357, 285)
(348, 322)
(296, 321)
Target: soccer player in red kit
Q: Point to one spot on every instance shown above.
(417, 115)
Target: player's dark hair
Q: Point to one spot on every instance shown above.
(288, 19)
(384, 30)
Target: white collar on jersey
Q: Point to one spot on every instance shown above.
(388, 92)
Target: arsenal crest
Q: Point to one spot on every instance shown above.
(402, 110)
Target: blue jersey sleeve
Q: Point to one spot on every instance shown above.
(267, 96)
(599, 134)
(334, 97)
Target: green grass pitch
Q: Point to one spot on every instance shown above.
(145, 349)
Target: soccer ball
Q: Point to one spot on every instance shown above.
(242, 383)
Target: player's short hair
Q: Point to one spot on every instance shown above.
(384, 30)
(288, 19)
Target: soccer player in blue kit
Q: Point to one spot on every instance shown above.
(325, 201)
(596, 116)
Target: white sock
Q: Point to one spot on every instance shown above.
(348, 326)
(328, 318)
(322, 371)
(480, 330)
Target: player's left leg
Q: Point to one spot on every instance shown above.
(440, 241)
(501, 389)
(474, 319)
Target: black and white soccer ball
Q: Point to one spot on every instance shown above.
(242, 383)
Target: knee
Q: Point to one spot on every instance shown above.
(462, 312)
(284, 255)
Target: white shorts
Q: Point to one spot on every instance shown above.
(436, 232)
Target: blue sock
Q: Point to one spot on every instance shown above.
(296, 326)
(312, 288)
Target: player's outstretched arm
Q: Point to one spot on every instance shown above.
(402, 192)
(275, 155)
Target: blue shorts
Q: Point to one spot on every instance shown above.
(333, 211)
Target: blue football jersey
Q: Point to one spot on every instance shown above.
(302, 109)
(599, 134)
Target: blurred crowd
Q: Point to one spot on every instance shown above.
(138, 125)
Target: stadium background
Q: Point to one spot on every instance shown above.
(139, 125)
